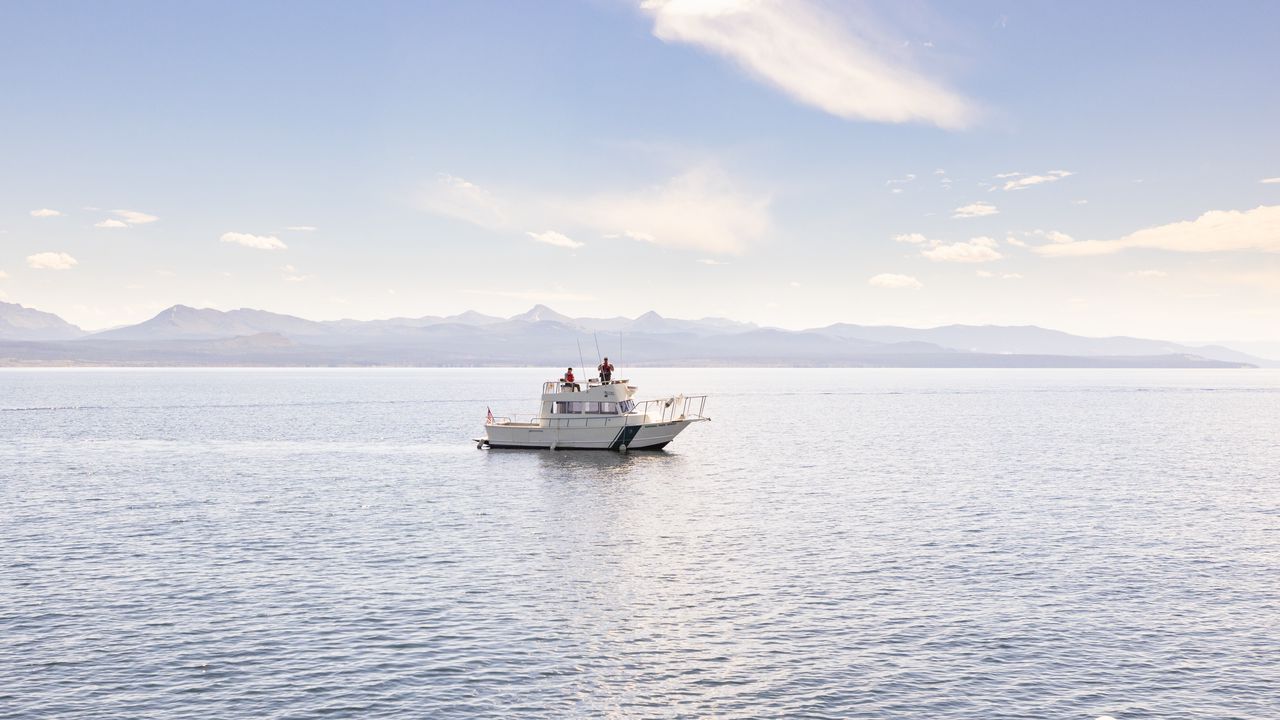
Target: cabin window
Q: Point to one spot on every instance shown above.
(565, 408)
(627, 406)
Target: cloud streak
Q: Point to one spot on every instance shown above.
(701, 209)
(893, 281)
(813, 56)
(978, 209)
(1018, 181)
(257, 242)
(133, 217)
(45, 213)
(551, 237)
(1214, 231)
(976, 250)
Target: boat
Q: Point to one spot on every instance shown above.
(600, 416)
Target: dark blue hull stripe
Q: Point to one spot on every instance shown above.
(625, 437)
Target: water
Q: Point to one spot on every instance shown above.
(836, 543)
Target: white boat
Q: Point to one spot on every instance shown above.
(599, 416)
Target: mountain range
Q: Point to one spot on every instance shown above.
(182, 335)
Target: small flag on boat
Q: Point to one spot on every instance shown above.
(489, 418)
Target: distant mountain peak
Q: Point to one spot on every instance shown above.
(651, 315)
(542, 313)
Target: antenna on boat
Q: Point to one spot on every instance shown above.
(596, 337)
(581, 363)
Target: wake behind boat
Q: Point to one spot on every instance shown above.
(604, 415)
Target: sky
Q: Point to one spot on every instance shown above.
(1097, 167)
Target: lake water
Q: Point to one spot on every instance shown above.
(836, 543)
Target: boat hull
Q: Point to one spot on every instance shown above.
(604, 436)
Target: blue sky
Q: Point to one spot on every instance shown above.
(1094, 167)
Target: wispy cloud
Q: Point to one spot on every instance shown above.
(301, 228)
(133, 217)
(291, 274)
(894, 281)
(45, 213)
(51, 261)
(699, 209)
(976, 250)
(912, 238)
(810, 54)
(710, 261)
(1215, 231)
(1148, 274)
(4, 275)
(1264, 181)
(111, 223)
(551, 237)
(1052, 236)
(978, 209)
(1018, 181)
(461, 199)
(257, 242)
(1001, 276)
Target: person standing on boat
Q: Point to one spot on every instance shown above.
(568, 379)
(606, 371)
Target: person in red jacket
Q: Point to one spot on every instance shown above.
(568, 379)
(606, 371)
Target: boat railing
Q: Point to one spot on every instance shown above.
(552, 387)
(680, 407)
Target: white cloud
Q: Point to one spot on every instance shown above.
(1014, 241)
(1149, 274)
(551, 237)
(301, 228)
(901, 181)
(978, 209)
(1018, 181)
(1214, 231)
(461, 199)
(1052, 236)
(976, 250)
(110, 223)
(633, 235)
(709, 261)
(4, 275)
(133, 217)
(258, 242)
(701, 209)
(913, 238)
(1079, 202)
(1012, 276)
(1264, 181)
(806, 52)
(45, 213)
(51, 261)
(894, 282)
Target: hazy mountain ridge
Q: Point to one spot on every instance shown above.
(541, 336)
(23, 323)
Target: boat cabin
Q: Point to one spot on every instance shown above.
(597, 398)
